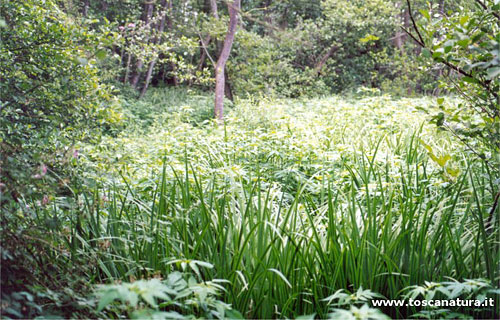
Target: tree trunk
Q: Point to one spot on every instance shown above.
(148, 12)
(437, 90)
(233, 7)
(203, 56)
(213, 9)
(170, 21)
(204, 43)
(85, 10)
(228, 92)
(398, 37)
(203, 53)
(404, 17)
(325, 57)
(127, 69)
(406, 23)
(161, 27)
(137, 73)
(268, 18)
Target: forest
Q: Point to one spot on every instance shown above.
(258, 159)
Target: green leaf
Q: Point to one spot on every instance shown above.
(448, 45)
(108, 297)
(443, 160)
(440, 119)
(194, 267)
(437, 54)
(454, 172)
(426, 53)
(82, 61)
(492, 73)
(369, 38)
(282, 276)
(425, 13)
(149, 298)
(440, 101)
(204, 264)
(233, 314)
(463, 43)
(470, 80)
(101, 54)
(132, 298)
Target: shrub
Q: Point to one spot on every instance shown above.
(50, 96)
(466, 43)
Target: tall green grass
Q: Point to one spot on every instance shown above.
(285, 252)
(290, 201)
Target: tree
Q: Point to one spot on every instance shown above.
(161, 27)
(147, 15)
(220, 80)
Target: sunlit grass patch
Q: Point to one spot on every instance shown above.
(291, 201)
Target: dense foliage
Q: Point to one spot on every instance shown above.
(351, 194)
(332, 181)
(51, 94)
(285, 48)
(467, 43)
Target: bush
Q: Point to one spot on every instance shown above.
(466, 43)
(50, 96)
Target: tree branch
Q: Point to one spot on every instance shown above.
(421, 42)
(204, 46)
(414, 23)
(486, 8)
(413, 37)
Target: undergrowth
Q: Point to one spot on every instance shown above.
(284, 211)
